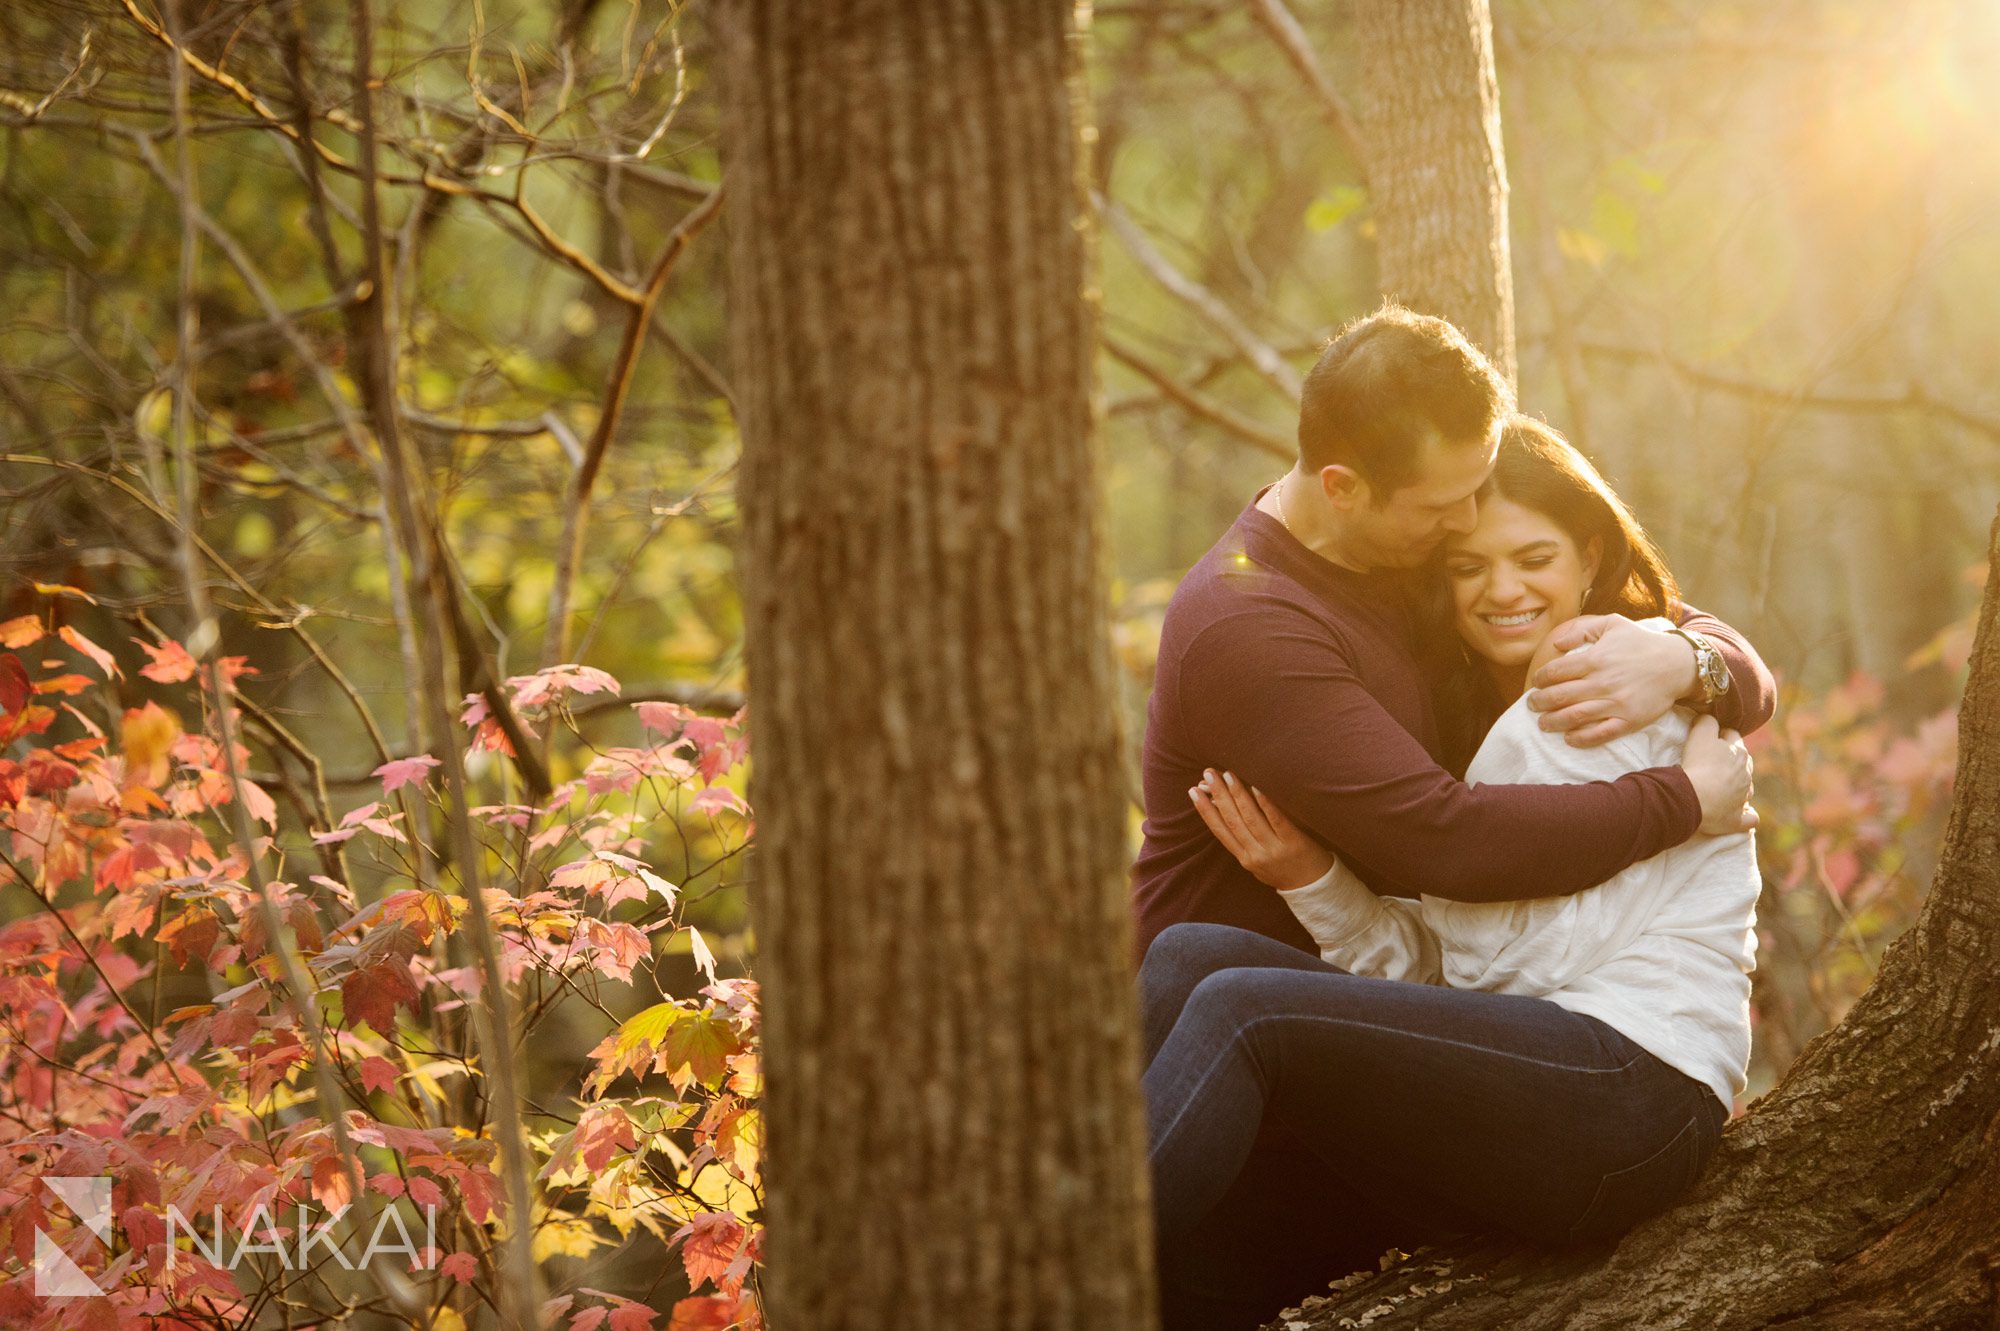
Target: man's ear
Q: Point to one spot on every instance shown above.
(1343, 487)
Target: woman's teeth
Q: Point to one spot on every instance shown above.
(1510, 621)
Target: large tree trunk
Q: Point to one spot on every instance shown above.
(1429, 109)
(1864, 1191)
(954, 1130)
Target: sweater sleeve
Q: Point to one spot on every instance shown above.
(1281, 706)
(1365, 934)
(1753, 693)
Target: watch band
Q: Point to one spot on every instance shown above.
(1711, 672)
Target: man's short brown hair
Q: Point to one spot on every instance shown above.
(1386, 386)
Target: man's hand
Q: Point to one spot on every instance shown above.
(1718, 766)
(1613, 678)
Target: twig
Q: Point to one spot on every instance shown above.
(576, 508)
(1912, 396)
(1262, 356)
(1273, 17)
(1239, 427)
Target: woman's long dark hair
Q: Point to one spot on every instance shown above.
(1540, 470)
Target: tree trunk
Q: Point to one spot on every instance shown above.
(954, 1126)
(1862, 1192)
(1429, 111)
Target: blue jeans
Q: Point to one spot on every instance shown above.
(1301, 1117)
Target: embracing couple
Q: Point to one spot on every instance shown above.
(1447, 899)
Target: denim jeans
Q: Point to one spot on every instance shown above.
(1303, 1119)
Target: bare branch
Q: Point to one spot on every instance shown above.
(576, 510)
(1215, 413)
(1273, 17)
(1262, 356)
(1913, 396)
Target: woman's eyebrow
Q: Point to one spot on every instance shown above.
(1533, 545)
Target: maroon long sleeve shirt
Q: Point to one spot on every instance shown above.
(1302, 678)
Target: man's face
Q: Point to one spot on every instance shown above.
(1402, 528)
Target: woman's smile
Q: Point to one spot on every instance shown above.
(1513, 622)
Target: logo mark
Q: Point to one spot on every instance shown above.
(56, 1275)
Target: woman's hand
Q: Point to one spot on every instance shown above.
(1261, 838)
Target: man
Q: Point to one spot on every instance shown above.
(1288, 657)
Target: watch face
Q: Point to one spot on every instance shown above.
(1714, 671)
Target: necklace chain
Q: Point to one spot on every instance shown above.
(1282, 520)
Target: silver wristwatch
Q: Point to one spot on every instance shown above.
(1711, 672)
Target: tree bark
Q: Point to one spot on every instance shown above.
(943, 940)
(1862, 1192)
(1429, 108)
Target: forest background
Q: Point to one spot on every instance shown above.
(1750, 246)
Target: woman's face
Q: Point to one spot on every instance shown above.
(1514, 577)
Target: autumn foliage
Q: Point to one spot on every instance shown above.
(125, 893)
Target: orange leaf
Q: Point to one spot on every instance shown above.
(171, 663)
(22, 631)
(89, 649)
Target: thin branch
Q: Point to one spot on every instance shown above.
(576, 508)
(1273, 17)
(1263, 357)
(1913, 396)
(1236, 426)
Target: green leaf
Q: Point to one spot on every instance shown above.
(1329, 212)
(698, 1045)
(649, 1027)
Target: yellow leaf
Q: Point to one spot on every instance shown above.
(64, 589)
(147, 735)
(564, 1236)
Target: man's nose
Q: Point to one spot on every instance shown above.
(1463, 516)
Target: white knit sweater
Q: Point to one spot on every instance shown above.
(1662, 952)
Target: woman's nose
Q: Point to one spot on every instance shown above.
(1504, 588)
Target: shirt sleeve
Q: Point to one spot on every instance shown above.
(1282, 707)
(1363, 933)
(1753, 693)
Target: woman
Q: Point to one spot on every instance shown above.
(1559, 1068)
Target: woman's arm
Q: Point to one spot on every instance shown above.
(1366, 934)
(1352, 927)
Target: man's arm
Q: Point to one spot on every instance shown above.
(1753, 694)
(1616, 677)
(1282, 708)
